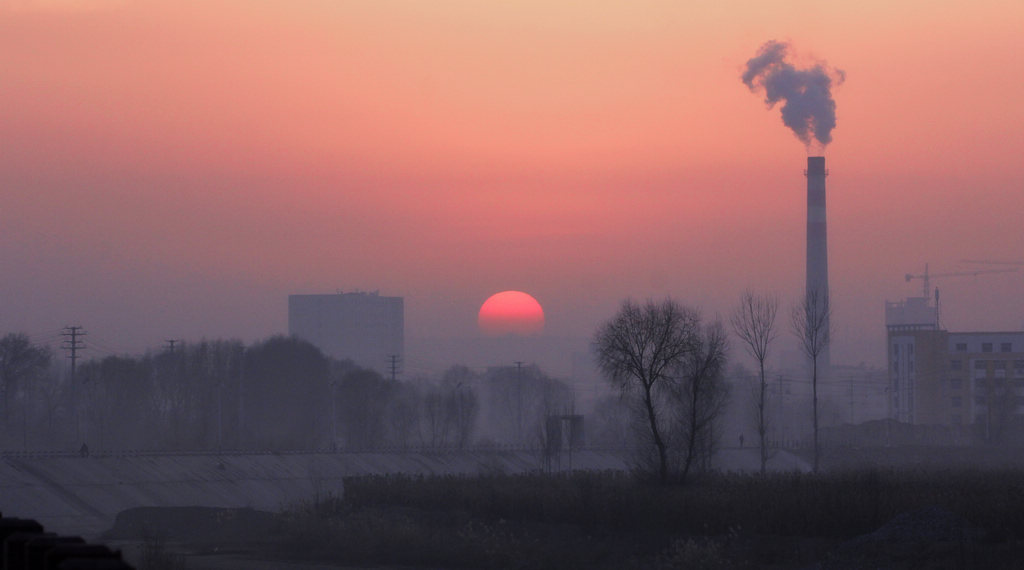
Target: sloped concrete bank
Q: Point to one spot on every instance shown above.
(82, 495)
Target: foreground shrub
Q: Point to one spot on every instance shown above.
(586, 520)
(699, 553)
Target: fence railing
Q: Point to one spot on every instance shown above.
(386, 449)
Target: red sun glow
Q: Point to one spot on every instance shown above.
(511, 313)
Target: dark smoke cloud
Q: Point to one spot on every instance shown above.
(808, 108)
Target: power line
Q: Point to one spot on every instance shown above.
(47, 337)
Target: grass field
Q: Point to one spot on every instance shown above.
(614, 520)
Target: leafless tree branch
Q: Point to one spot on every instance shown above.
(754, 323)
(639, 349)
(812, 326)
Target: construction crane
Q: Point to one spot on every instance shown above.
(992, 262)
(926, 277)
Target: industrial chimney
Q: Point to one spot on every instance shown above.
(817, 239)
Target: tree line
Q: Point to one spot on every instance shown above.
(667, 362)
(277, 394)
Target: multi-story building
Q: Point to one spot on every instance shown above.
(937, 377)
(986, 380)
(913, 339)
(364, 327)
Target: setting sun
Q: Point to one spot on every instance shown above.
(511, 313)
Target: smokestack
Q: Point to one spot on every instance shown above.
(817, 239)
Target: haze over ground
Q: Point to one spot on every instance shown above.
(176, 169)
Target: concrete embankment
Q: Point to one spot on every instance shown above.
(82, 495)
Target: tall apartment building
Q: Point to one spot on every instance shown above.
(365, 327)
(914, 339)
(938, 377)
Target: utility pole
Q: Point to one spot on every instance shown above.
(220, 415)
(241, 399)
(72, 344)
(519, 401)
(170, 344)
(780, 432)
(393, 360)
(851, 400)
(334, 415)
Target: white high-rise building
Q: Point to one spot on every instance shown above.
(364, 327)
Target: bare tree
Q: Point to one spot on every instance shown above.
(811, 325)
(451, 408)
(50, 392)
(640, 349)
(465, 408)
(462, 406)
(20, 363)
(435, 417)
(287, 402)
(702, 394)
(403, 413)
(754, 323)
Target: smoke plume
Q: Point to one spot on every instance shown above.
(807, 108)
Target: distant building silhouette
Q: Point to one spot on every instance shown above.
(938, 377)
(365, 327)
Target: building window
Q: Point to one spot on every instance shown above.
(956, 383)
(1006, 347)
(986, 347)
(955, 419)
(896, 349)
(956, 365)
(910, 366)
(961, 347)
(980, 364)
(956, 401)
(999, 364)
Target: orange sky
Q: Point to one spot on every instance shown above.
(175, 169)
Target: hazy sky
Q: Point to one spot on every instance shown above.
(176, 169)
